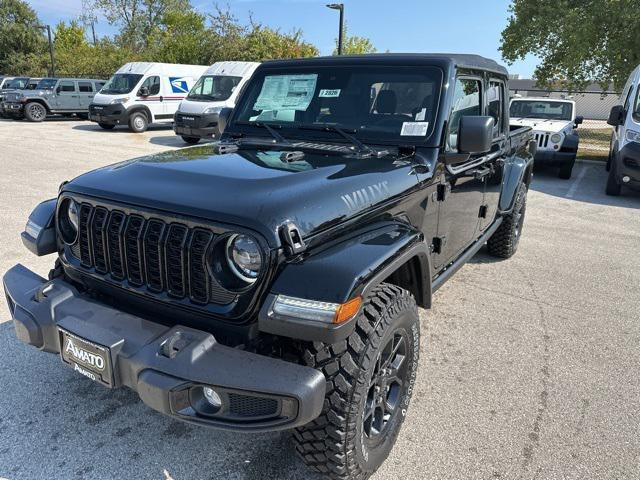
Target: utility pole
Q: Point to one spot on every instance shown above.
(340, 7)
(53, 62)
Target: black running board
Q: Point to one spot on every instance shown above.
(465, 257)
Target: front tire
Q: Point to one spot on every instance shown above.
(138, 122)
(614, 188)
(370, 379)
(567, 169)
(35, 112)
(505, 240)
(190, 140)
(107, 126)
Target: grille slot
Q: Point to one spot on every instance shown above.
(149, 253)
(247, 406)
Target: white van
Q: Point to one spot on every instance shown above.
(624, 155)
(141, 93)
(219, 87)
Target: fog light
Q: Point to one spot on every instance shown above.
(626, 179)
(212, 397)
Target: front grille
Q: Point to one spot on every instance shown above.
(148, 253)
(248, 406)
(542, 139)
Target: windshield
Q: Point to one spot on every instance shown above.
(121, 83)
(17, 83)
(541, 109)
(46, 84)
(214, 88)
(371, 102)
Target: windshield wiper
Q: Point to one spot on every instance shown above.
(269, 128)
(360, 147)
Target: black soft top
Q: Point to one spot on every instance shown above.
(458, 60)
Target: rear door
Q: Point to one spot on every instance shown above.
(67, 96)
(85, 93)
(493, 169)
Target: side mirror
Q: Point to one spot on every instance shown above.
(223, 119)
(578, 121)
(475, 134)
(143, 92)
(58, 89)
(616, 117)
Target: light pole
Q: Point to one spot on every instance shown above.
(340, 7)
(53, 63)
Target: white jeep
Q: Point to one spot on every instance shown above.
(554, 123)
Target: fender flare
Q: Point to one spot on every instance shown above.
(346, 269)
(571, 143)
(39, 235)
(40, 101)
(518, 170)
(138, 108)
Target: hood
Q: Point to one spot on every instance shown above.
(196, 108)
(542, 125)
(107, 98)
(251, 188)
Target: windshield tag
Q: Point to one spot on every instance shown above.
(414, 129)
(421, 115)
(327, 93)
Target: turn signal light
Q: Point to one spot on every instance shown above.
(348, 310)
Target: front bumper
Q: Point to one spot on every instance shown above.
(12, 108)
(201, 126)
(555, 157)
(167, 366)
(109, 114)
(628, 164)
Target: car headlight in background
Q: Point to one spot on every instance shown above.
(211, 110)
(119, 101)
(556, 138)
(68, 220)
(244, 257)
(633, 136)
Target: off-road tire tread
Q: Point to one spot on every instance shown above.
(326, 444)
(503, 242)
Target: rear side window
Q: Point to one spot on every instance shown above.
(466, 103)
(85, 86)
(153, 84)
(67, 86)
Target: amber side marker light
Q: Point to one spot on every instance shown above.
(347, 311)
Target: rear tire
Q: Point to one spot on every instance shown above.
(369, 375)
(505, 240)
(107, 126)
(190, 140)
(614, 188)
(566, 170)
(35, 112)
(138, 122)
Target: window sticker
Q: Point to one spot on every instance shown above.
(421, 115)
(326, 93)
(286, 92)
(414, 129)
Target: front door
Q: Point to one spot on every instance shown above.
(67, 95)
(152, 98)
(461, 187)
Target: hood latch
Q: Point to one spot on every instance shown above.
(292, 239)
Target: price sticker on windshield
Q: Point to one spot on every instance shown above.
(326, 93)
(414, 129)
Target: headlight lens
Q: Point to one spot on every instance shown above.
(244, 257)
(68, 221)
(633, 136)
(117, 101)
(210, 110)
(556, 138)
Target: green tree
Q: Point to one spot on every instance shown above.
(18, 37)
(578, 41)
(354, 45)
(180, 38)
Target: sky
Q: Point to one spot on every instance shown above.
(453, 26)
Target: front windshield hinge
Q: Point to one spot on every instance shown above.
(293, 156)
(222, 148)
(292, 239)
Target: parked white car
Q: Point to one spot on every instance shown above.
(218, 87)
(624, 156)
(142, 93)
(554, 123)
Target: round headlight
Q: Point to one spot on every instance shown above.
(244, 257)
(556, 138)
(68, 221)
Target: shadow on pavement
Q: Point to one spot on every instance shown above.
(57, 424)
(587, 184)
(94, 127)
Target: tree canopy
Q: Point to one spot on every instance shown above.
(18, 37)
(578, 41)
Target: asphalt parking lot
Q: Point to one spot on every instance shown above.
(530, 368)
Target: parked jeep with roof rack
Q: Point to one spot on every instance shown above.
(271, 281)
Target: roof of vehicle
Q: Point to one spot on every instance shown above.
(475, 62)
(543, 99)
(79, 79)
(238, 69)
(141, 68)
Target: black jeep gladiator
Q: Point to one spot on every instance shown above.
(271, 281)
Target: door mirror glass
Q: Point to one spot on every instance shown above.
(475, 134)
(143, 92)
(616, 117)
(578, 121)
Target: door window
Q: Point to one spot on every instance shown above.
(495, 96)
(85, 86)
(636, 108)
(67, 86)
(466, 102)
(153, 84)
